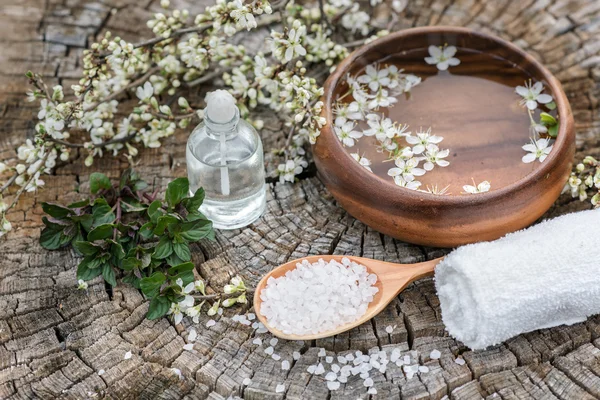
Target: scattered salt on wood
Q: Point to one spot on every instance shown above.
(210, 322)
(368, 382)
(269, 350)
(389, 329)
(127, 355)
(257, 341)
(280, 388)
(423, 369)
(322, 352)
(188, 346)
(459, 361)
(435, 354)
(296, 355)
(285, 365)
(247, 381)
(333, 385)
(101, 372)
(273, 342)
(329, 359)
(372, 391)
(192, 335)
(251, 316)
(276, 357)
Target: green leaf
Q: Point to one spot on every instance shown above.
(50, 238)
(163, 222)
(80, 204)
(102, 214)
(139, 185)
(177, 190)
(86, 248)
(154, 210)
(101, 232)
(116, 251)
(132, 280)
(553, 131)
(547, 119)
(164, 248)
(85, 272)
(182, 250)
(55, 210)
(551, 105)
(146, 231)
(196, 230)
(86, 221)
(151, 284)
(194, 216)
(192, 204)
(130, 263)
(159, 306)
(99, 181)
(132, 205)
(108, 273)
(184, 267)
(92, 261)
(173, 260)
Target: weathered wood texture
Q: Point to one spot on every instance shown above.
(54, 339)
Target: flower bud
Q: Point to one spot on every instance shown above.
(229, 302)
(242, 299)
(213, 310)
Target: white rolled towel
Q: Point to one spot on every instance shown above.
(540, 277)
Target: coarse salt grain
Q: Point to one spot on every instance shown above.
(280, 389)
(101, 372)
(127, 355)
(372, 391)
(296, 355)
(276, 357)
(192, 335)
(423, 369)
(389, 329)
(210, 322)
(257, 341)
(188, 346)
(269, 350)
(435, 354)
(285, 365)
(246, 381)
(273, 342)
(333, 385)
(328, 359)
(322, 353)
(303, 301)
(460, 361)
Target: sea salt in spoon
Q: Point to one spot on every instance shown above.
(391, 280)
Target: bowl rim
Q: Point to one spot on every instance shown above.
(565, 130)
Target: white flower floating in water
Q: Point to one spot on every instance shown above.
(481, 188)
(345, 112)
(407, 168)
(375, 78)
(532, 95)
(434, 156)
(442, 57)
(422, 140)
(409, 183)
(347, 134)
(538, 149)
(365, 162)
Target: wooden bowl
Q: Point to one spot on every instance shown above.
(433, 220)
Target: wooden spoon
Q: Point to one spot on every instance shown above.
(391, 280)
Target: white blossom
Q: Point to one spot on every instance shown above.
(538, 149)
(347, 133)
(477, 188)
(366, 163)
(407, 168)
(356, 21)
(144, 93)
(374, 78)
(434, 156)
(287, 172)
(532, 95)
(422, 140)
(442, 57)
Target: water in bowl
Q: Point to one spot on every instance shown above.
(474, 107)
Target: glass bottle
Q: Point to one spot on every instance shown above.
(224, 155)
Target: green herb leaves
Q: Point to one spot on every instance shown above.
(125, 232)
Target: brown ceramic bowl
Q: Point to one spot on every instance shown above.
(433, 220)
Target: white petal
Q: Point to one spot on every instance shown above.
(394, 171)
(430, 60)
(418, 149)
(530, 148)
(537, 87)
(442, 163)
(428, 166)
(528, 158)
(543, 157)
(544, 98)
(470, 189)
(418, 172)
(453, 62)
(522, 91)
(531, 104)
(449, 51)
(435, 51)
(484, 186)
(442, 66)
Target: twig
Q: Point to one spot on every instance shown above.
(8, 183)
(95, 145)
(324, 19)
(178, 32)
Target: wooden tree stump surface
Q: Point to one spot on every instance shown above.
(55, 339)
